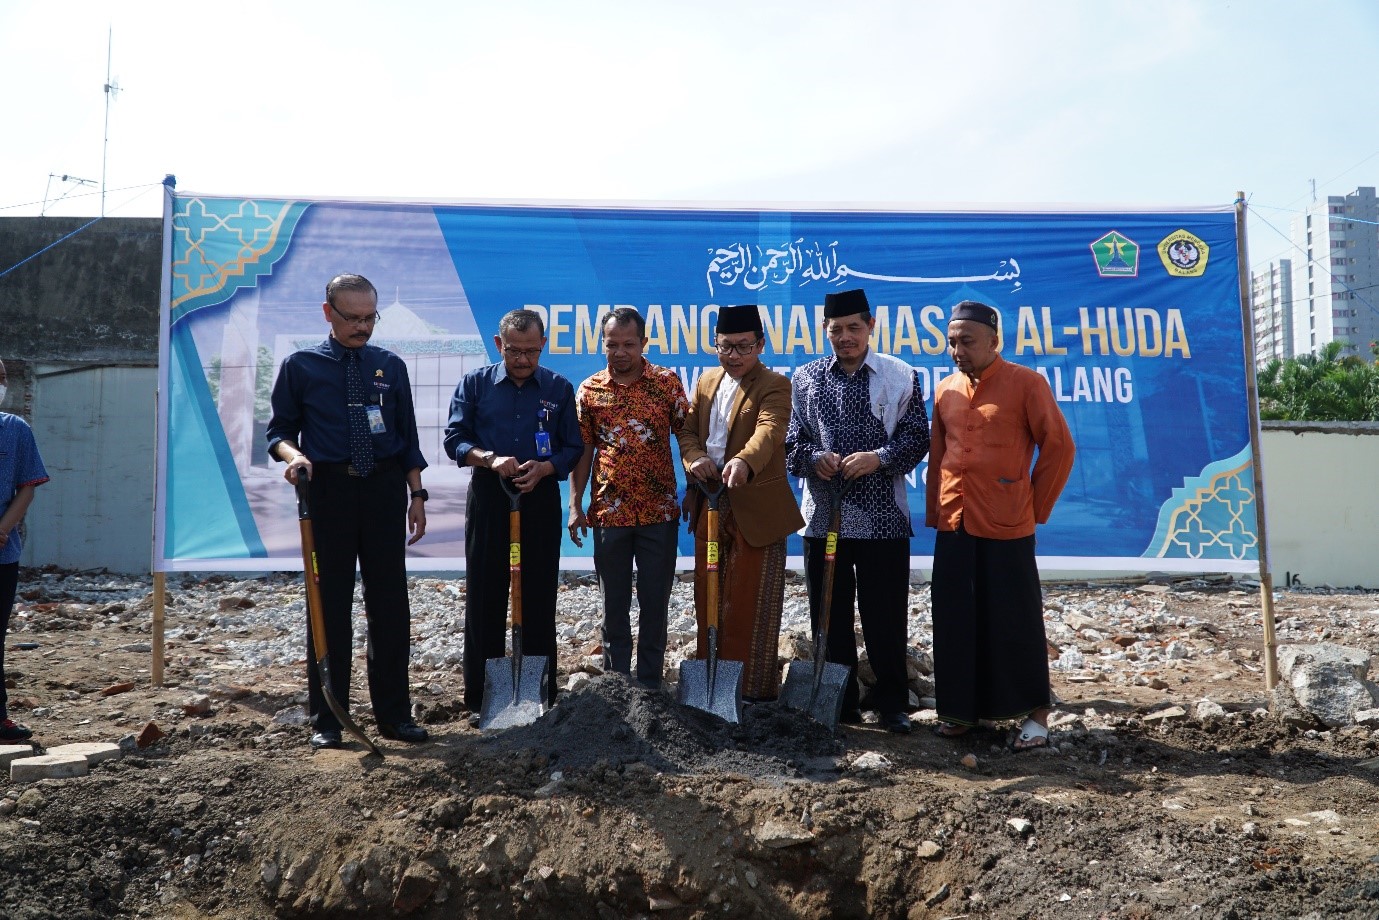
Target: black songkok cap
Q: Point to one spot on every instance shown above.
(977, 313)
(846, 303)
(741, 318)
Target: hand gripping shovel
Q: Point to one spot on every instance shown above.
(514, 688)
(713, 686)
(818, 689)
(317, 617)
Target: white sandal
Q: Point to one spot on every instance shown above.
(1032, 735)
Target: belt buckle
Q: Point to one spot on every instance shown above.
(349, 468)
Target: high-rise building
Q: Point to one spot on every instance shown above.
(1271, 303)
(1336, 294)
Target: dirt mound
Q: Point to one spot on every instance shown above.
(611, 722)
(619, 803)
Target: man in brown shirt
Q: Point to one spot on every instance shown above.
(735, 433)
(990, 659)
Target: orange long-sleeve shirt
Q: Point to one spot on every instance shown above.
(983, 442)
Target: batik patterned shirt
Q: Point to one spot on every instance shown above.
(631, 427)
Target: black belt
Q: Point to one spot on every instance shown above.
(380, 466)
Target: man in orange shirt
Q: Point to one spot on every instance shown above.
(990, 658)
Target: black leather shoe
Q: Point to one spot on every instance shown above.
(897, 722)
(11, 730)
(408, 731)
(324, 740)
(850, 717)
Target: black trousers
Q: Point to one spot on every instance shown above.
(363, 519)
(9, 583)
(990, 653)
(876, 573)
(486, 534)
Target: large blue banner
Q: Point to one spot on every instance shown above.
(1133, 317)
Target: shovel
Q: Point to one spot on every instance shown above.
(317, 617)
(713, 686)
(818, 689)
(514, 688)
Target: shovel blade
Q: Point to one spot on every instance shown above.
(721, 696)
(509, 703)
(824, 703)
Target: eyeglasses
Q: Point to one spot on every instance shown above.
(357, 320)
(744, 348)
(531, 354)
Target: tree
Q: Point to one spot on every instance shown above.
(1320, 387)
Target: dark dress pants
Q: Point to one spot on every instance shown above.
(486, 532)
(363, 519)
(876, 573)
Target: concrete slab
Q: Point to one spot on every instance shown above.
(93, 751)
(9, 752)
(47, 766)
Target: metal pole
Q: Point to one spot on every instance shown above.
(1266, 580)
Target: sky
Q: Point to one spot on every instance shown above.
(1009, 104)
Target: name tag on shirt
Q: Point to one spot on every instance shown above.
(375, 414)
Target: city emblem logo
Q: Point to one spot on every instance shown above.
(1117, 256)
(1184, 255)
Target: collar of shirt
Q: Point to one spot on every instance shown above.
(870, 362)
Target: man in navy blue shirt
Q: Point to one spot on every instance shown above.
(513, 419)
(343, 417)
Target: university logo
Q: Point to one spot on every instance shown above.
(1184, 255)
(1117, 256)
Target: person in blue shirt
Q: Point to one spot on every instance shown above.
(21, 472)
(343, 417)
(517, 420)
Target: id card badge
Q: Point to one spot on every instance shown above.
(543, 443)
(375, 414)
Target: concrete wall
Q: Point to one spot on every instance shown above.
(1322, 503)
(93, 298)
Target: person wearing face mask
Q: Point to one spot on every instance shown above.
(735, 435)
(858, 416)
(21, 472)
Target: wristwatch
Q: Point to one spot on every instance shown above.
(421, 494)
(486, 457)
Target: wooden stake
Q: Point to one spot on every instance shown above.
(159, 602)
(1266, 580)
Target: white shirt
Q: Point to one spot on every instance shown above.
(717, 444)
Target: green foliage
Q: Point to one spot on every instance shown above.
(1321, 387)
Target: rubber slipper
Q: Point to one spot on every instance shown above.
(950, 730)
(1032, 735)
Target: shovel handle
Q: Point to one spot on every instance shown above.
(310, 568)
(837, 488)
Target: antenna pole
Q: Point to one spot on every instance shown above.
(105, 147)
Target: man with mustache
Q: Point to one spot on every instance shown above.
(859, 415)
(343, 417)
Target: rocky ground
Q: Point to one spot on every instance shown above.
(1170, 788)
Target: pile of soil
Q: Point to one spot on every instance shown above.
(620, 803)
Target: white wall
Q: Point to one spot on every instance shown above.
(1321, 498)
(94, 427)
